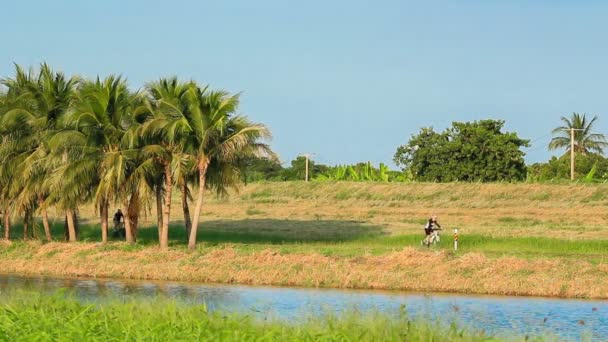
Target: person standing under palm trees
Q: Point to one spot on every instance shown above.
(118, 220)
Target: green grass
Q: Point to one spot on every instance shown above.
(348, 238)
(36, 317)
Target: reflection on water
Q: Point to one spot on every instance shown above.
(496, 315)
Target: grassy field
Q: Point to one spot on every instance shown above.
(33, 317)
(531, 239)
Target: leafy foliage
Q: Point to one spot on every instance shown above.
(260, 169)
(588, 167)
(363, 172)
(266, 169)
(297, 170)
(68, 141)
(471, 151)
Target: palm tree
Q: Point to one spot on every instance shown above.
(53, 95)
(125, 176)
(43, 100)
(7, 165)
(124, 171)
(184, 176)
(97, 125)
(218, 138)
(164, 131)
(584, 140)
(19, 131)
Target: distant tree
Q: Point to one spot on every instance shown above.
(471, 151)
(584, 140)
(297, 170)
(256, 169)
(362, 172)
(589, 166)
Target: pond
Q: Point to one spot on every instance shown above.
(567, 319)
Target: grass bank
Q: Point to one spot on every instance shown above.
(517, 239)
(32, 317)
(409, 268)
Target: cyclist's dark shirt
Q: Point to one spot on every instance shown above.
(118, 216)
(430, 226)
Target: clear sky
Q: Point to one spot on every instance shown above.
(347, 80)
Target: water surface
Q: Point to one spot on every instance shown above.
(567, 319)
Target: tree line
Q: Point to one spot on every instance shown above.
(267, 169)
(69, 141)
(478, 151)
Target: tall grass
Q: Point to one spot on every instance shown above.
(34, 317)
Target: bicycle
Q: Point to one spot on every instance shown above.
(118, 231)
(432, 239)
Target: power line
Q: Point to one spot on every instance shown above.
(541, 138)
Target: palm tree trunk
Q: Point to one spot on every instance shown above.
(128, 231)
(26, 225)
(31, 221)
(7, 224)
(77, 223)
(186, 209)
(202, 173)
(133, 214)
(164, 239)
(103, 211)
(66, 234)
(45, 219)
(159, 210)
(71, 225)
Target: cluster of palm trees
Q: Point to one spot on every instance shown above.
(68, 141)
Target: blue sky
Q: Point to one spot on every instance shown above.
(347, 80)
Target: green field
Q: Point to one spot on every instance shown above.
(35, 317)
(350, 238)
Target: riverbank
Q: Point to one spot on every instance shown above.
(410, 269)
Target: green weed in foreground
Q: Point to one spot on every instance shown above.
(35, 317)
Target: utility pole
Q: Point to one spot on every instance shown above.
(572, 150)
(571, 154)
(307, 156)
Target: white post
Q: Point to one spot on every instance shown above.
(456, 239)
(571, 154)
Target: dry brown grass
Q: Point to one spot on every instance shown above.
(408, 269)
(566, 211)
(569, 211)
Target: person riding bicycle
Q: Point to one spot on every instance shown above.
(429, 228)
(119, 218)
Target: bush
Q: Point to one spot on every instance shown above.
(469, 152)
(589, 167)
